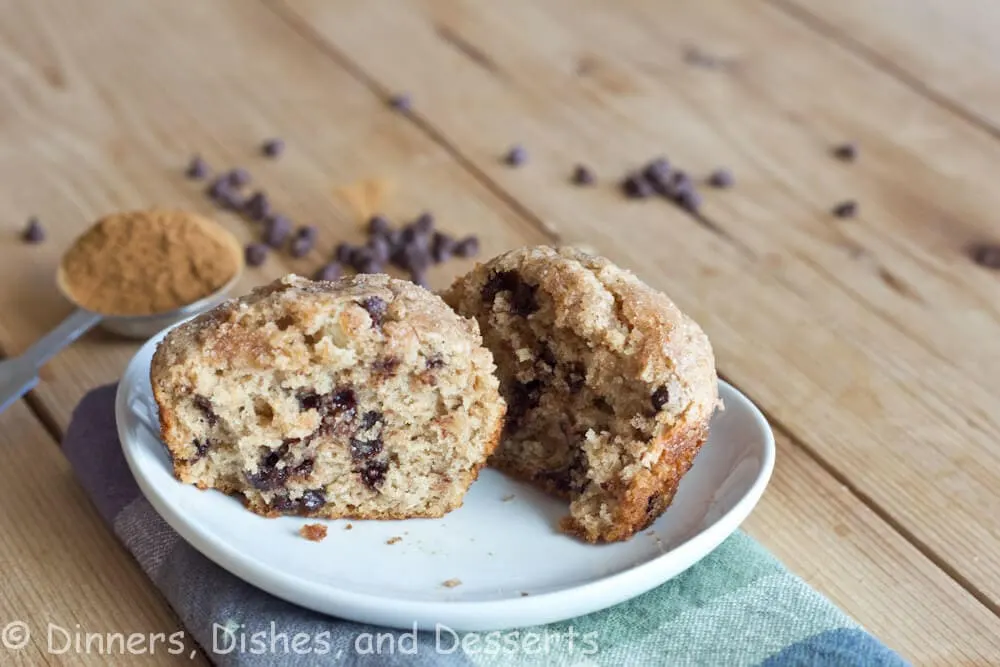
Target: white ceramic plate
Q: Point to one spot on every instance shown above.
(499, 549)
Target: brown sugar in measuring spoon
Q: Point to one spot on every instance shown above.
(134, 274)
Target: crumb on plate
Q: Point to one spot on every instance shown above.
(314, 532)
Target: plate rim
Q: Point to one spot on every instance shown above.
(387, 611)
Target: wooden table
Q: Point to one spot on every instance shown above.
(872, 343)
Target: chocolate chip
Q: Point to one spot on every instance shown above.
(303, 469)
(307, 231)
(282, 503)
(309, 401)
(377, 308)
(660, 398)
(312, 500)
(401, 102)
(378, 225)
(635, 186)
(412, 258)
(442, 247)
(201, 448)
(845, 209)
(276, 230)
(219, 188)
(657, 171)
(986, 255)
(373, 473)
(379, 248)
(467, 247)
(237, 177)
(301, 245)
(419, 278)
(344, 253)
(721, 178)
(688, 199)
(257, 207)
(33, 232)
(848, 152)
(273, 147)
(386, 366)
(424, 223)
(434, 361)
(205, 406)
(329, 272)
(197, 169)
(255, 254)
(525, 396)
(582, 175)
(369, 266)
(522, 295)
(547, 356)
(516, 156)
(576, 377)
(365, 449)
(369, 419)
(268, 476)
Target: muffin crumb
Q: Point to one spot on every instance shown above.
(451, 583)
(314, 532)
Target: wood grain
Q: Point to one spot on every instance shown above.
(873, 340)
(89, 131)
(897, 36)
(61, 565)
(820, 530)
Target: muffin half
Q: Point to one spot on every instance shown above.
(609, 387)
(365, 398)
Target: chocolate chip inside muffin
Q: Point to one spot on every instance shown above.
(366, 397)
(609, 386)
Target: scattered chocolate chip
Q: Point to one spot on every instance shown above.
(467, 247)
(516, 156)
(377, 308)
(255, 254)
(33, 232)
(219, 188)
(846, 209)
(635, 186)
(688, 199)
(273, 147)
(986, 255)
(301, 245)
(369, 265)
(360, 256)
(419, 278)
(660, 398)
(373, 473)
(197, 169)
(378, 225)
(582, 175)
(313, 499)
(412, 258)
(848, 152)
(276, 230)
(721, 178)
(329, 272)
(657, 171)
(424, 224)
(395, 239)
(205, 406)
(442, 247)
(379, 249)
(401, 102)
(237, 177)
(344, 253)
(258, 206)
(307, 231)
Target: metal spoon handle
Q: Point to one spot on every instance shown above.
(20, 374)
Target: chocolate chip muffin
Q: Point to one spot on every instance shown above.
(366, 398)
(609, 387)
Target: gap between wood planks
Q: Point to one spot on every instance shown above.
(306, 32)
(837, 36)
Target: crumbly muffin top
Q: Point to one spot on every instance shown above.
(248, 332)
(611, 309)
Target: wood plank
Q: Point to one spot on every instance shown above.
(89, 130)
(946, 49)
(842, 548)
(836, 327)
(61, 564)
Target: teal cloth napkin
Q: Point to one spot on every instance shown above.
(738, 606)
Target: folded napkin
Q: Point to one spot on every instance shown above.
(738, 606)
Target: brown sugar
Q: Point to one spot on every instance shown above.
(146, 262)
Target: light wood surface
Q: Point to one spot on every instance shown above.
(872, 343)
